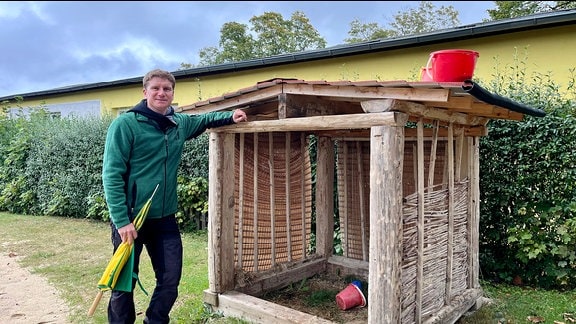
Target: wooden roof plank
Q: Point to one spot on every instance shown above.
(240, 101)
(403, 93)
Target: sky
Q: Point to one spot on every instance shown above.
(51, 44)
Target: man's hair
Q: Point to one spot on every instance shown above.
(157, 73)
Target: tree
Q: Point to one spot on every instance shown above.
(513, 9)
(425, 18)
(268, 35)
(360, 32)
(235, 42)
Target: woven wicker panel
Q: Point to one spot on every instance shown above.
(410, 165)
(353, 173)
(273, 222)
(435, 253)
(460, 267)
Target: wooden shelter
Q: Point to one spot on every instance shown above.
(402, 158)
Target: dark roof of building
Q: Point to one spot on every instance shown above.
(478, 30)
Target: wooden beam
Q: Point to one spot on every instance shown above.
(364, 134)
(336, 122)
(458, 306)
(256, 310)
(380, 105)
(344, 267)
(469, 105)
(275, 279)
(421, 110)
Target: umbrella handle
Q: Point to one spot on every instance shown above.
(95, 303)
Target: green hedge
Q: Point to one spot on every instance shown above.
(53, 167)
(527, 185)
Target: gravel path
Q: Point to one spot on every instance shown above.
(26, 297)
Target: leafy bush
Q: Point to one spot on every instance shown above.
(65, 164)
(527, 186)
(195, 158)
(18, 194)
(192, 201)
(54, 167)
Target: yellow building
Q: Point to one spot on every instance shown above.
(540, 43)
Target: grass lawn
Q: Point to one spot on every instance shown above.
(73, 253)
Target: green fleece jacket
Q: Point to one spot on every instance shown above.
(143, 149)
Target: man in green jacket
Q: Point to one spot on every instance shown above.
(143, 149)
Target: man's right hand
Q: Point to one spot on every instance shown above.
(128, 233)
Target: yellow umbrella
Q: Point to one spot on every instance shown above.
(122, 255)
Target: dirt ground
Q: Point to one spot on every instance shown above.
(316, 297)
(26, 297)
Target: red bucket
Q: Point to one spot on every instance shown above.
(350, 297)
(454, 65)
(425, 74)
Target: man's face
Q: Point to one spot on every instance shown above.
(159, 93)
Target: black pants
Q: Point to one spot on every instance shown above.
(164, 246)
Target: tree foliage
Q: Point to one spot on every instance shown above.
(268, 34)
(360, 32)
(514, 9)
(426, 18)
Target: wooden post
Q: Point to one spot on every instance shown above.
(433, 149)
(474, 211)
(362, 201)
(344, 217)
(325, 197)
(288, 195)
(241, 171)
(451, 207)
(420, 223)
(386, 165)
(303, 153)
(221, 213)
(255, 202)
(272, 198)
